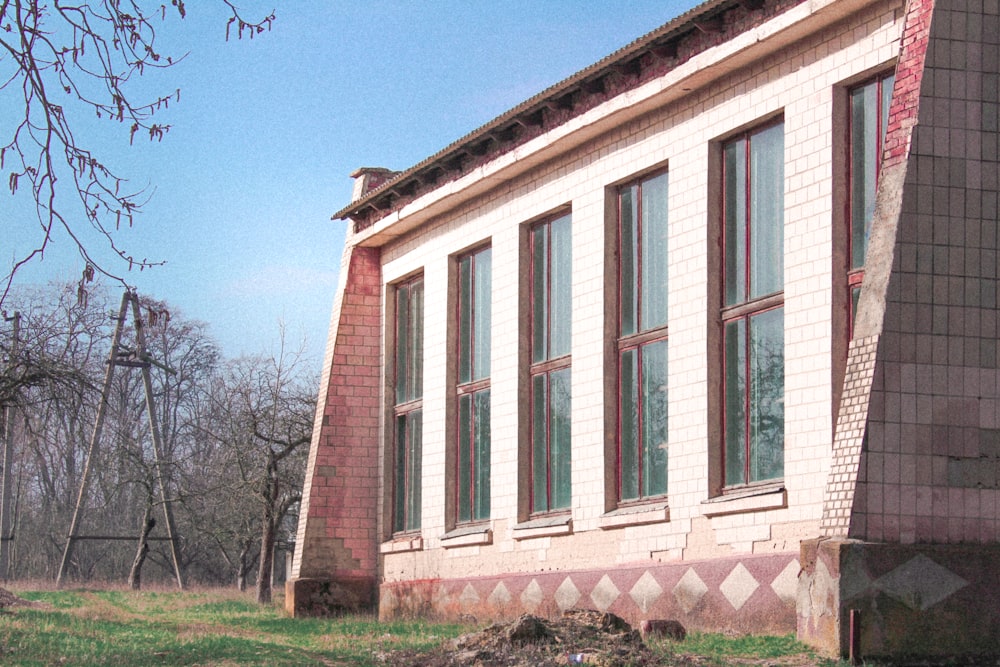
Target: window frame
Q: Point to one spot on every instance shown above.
(855, 271)
(746, 307)
(471, 388)
(543, 367)
(407, 409)
(634, 337)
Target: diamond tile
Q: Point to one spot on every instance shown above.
(567, 594)
(532, 596)
(739, 586)
(469, 596)
(605, 593)
(920, 583)
(786, 584)
(689, 590)
(500, 596)
(646, 591)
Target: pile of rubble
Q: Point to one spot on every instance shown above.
(8, 599)
(579, 637)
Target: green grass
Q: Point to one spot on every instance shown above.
(223, 627)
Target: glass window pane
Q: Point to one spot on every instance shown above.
(539, 444)
(855, 296)
(887, 84)
(654, 418)
(629, 248)
(561, 315)
(654, 253)
(559, 438)
(767, 395)
(465, 314)
(735, 392)
(465, 430)
(416, 336)
(539, 293)
(482, 455)
(629, 415)
(736, 220)
(482, 313)
(402, 341)
(767, 210)
(864, 167)
(415, 428)
(399, 477)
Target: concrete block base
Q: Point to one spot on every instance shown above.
(318, 597)
(926, 601)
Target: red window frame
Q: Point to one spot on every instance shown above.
(473, 316)
(550, 245)
(752, 298)
(408, 405)
(861, 188)
(642, 339)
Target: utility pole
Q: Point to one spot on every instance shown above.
(102, 409)
(138, 358)
(6, 460)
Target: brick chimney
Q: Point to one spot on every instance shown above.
(367, 179)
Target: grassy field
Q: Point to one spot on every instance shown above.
(224, 627)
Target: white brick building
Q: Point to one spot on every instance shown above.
(706, 331)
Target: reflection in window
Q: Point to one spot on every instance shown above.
(474, 344)
(408, 405)
(551, 315)
(642, 342)
(752, 313)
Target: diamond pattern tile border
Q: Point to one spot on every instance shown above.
(753, 591)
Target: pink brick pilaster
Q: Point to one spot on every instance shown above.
(335, 562)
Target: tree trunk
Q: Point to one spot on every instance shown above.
(135, 574)
(268, 530)
(243, 566)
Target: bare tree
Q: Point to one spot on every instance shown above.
(263, 421)
(63, 62)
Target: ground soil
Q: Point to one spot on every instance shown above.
(579, 637)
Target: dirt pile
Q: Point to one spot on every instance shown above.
(8, 599)
(579, 637)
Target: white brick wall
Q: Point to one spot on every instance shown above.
(799, 82)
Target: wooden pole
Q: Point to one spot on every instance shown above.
(6, 490)
(154, 427)
(102, 409)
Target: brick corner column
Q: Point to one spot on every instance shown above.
(335, 565)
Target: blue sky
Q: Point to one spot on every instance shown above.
(268, 131)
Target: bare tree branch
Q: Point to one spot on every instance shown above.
(60, 61)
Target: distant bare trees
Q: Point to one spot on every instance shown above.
(234, 436)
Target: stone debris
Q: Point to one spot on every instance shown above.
(580, 637)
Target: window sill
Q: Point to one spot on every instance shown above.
(753, 499)
(637, 515)
(467, 536)
(549, 526)
(402, 544)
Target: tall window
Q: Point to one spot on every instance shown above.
(642, 342)
(474, 281)
(752, 309)
(869, 109)
(551, 313)
(408, 405)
